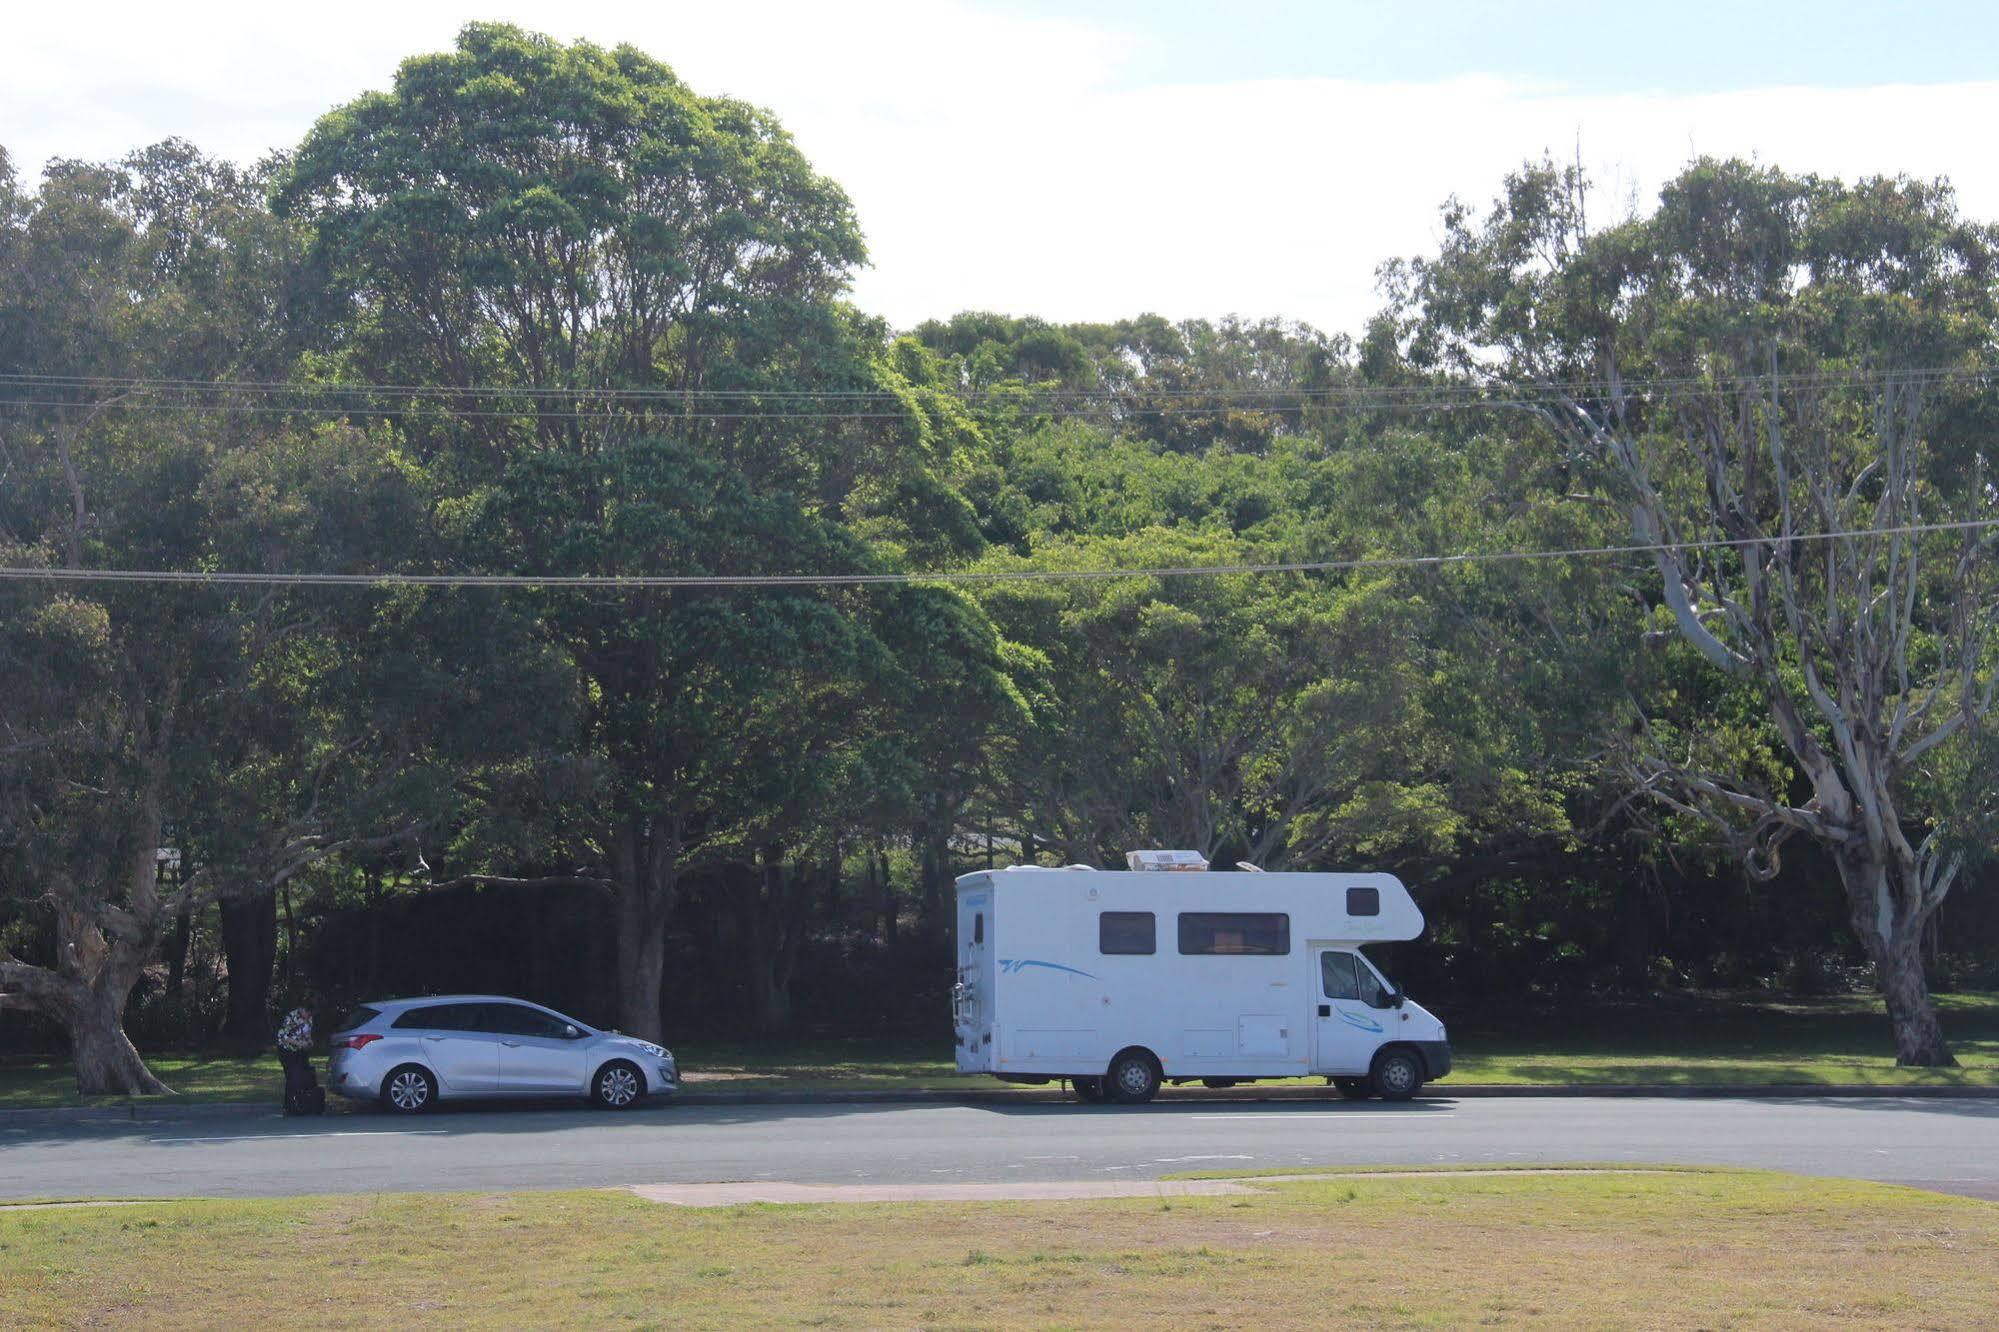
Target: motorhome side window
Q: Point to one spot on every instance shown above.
(979, 928)
(1126, 932)
(1363, 901)
(1233, 933)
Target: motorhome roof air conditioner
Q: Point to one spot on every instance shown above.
(1165, 860)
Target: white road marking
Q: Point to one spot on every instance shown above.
(272, 1137)
(1172, 1160)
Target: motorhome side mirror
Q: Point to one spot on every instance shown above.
(1396, 998)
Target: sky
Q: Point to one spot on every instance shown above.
(1085, 161)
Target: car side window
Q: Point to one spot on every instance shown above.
(431, 1017)
(1338, 973)
(520, 1020)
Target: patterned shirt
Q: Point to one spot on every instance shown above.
(295, 1032)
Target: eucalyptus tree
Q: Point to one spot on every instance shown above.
(130, 707)
(1779, 381)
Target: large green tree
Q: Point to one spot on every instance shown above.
(1766, 374)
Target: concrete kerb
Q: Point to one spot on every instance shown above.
(153, 1110)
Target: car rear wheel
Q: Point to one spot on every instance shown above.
(618, 1086)
(1133, 1078)
(409, 1090)
(1398, 1075)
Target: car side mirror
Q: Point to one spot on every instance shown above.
(569, 1031)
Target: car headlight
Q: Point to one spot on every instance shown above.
(656, 1051)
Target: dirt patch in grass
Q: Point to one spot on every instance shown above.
(1601, 1250)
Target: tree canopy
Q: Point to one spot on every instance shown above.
(541, 311)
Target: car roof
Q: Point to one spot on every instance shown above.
(451, 999)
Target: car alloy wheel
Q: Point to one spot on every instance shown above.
(409, 1091)
(618, 1086)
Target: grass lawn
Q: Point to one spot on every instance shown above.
(1675, 1040)
(1683, 1249)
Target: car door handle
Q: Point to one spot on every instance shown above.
(511, 1045)
(1325, 1010)
(433, 1038)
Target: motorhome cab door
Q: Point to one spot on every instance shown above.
(1351, 1021)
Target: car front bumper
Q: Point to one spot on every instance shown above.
(1436, 1058)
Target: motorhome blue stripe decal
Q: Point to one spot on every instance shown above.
(1355, 1020)
(1013, 967)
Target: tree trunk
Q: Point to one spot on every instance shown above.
(250, 949)
(885, 903)
(1919, 1041)
(1893, 935)
(177, 954)
(106, 1062)
(771, 932)
(934, 904)
(641, 962)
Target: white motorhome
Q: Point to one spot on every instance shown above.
(1119, 980)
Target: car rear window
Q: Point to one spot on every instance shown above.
(360, 1017)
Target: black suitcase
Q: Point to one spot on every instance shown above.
(306, 1101)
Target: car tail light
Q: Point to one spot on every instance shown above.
(358, 1041)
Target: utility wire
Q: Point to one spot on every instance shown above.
(668, 394)
(1117, 410)
(1117, 404)
(620, 582)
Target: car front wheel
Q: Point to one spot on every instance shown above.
(618, 1086)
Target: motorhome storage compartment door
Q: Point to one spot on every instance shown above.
(1263, 1034)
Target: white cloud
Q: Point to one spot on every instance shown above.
(999, 161)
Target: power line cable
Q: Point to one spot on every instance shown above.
(1111, 404)
(667, 394)
(622, 582)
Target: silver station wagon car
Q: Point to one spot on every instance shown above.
(409, 1053)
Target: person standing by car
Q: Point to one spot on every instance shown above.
(303, 1094)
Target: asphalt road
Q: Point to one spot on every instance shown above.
(1949, 1145)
